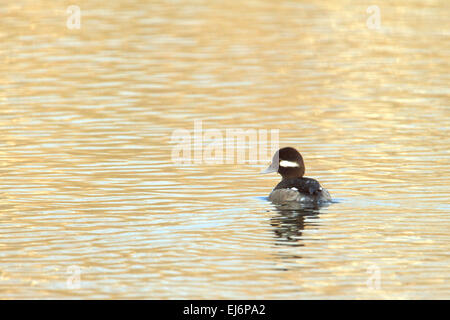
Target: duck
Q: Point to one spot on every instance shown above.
(294, 187)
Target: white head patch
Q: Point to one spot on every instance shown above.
(284, 163)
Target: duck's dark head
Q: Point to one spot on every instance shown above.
(288, 162)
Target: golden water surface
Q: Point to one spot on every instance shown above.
(92, 204)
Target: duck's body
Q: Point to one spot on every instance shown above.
(294, 187)
(305, 190)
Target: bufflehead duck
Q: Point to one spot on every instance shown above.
(288, 162)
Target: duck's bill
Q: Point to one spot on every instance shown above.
(270, 169)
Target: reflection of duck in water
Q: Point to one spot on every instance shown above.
(289, 223)
(294, 188)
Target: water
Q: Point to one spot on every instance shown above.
(92, 205)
